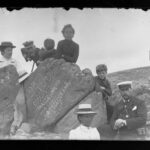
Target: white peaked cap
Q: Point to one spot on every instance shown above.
(125, 83)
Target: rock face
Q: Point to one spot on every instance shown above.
(8, 93)
(70, 120)
(54, 89)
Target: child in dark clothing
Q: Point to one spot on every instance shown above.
(67, 48)
(48, 51)
(102, 84)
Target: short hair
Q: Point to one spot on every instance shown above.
(68, 26)
(101, 67)
(51, 41)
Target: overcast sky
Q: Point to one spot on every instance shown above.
(120, 38)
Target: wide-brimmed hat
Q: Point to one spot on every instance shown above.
(126, 85)
(28, 44)
(6, 44)
(85, 109)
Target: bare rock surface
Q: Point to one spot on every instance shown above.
(8, 91)
(54, 89)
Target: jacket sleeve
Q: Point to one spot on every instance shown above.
(59, 50)
(108, 90)
(74, 58)
(140, 120)
(114, 116)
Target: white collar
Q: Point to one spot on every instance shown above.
(84, 127)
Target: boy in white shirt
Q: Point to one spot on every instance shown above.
(85, 116)
(6, 59)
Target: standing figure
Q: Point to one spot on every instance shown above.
(6, 49)
(102, 84)
(85, 116)
(67, 48)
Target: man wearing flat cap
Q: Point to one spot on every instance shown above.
(85, 116)
(129, 114)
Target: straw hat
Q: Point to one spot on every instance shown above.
(85, 109)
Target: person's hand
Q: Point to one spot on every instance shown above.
(119, 123)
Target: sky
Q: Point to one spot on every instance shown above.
(119, 38)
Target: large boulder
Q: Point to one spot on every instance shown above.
(70, 120)
(53, 89)
(8, 91)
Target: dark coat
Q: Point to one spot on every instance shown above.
(134, 112)
(44, 54)
(105, 83)
(68, 50)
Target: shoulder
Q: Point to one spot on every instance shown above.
(61, 42)
(96, 77)
(107, 81)
(138, 101)
(75, 44)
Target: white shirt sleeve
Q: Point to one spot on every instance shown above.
(20, 68)
(73, 135)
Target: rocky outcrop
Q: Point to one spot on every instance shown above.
(8, 91)
(70, 120)
(54, 89)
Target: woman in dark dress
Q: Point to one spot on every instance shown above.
(67, 48)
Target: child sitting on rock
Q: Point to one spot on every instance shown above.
(48, 51)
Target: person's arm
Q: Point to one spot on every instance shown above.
(140, 120)
(73, 135)
(20, 69)
(59, 50)
(75, 56)
(114, 117)
(108, 90)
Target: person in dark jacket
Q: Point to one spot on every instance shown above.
(67, 48)
(48, 51)
(103, 85)
(129, 115)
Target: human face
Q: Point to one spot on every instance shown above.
(102, 74)
(125, 94)
(7, 52)
(86, 119)
(68, 33)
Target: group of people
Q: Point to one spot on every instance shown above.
(123, 120)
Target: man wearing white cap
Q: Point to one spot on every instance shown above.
(85, 116)
(129, 114)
